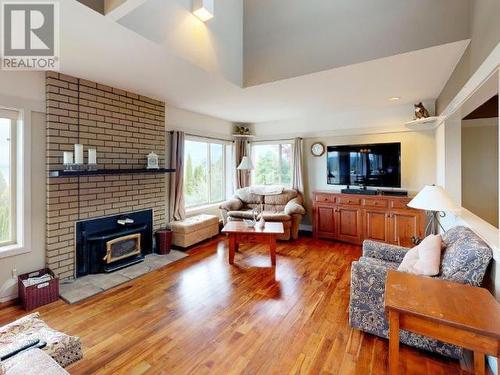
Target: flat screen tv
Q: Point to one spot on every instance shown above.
(365, 165)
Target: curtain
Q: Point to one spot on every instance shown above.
(242, 178)
(176, 207)
(297, 176)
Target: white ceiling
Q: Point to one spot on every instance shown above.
(112, 54)
(284, 39)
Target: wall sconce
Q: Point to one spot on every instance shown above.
(203, 9)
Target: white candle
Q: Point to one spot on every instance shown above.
(92, 156)
(78, 154)
(68, 157)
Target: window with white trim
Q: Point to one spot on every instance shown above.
(7, 181)
(272, 163)
(204, 172)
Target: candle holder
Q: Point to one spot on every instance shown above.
(79, 167)
(69, 167)
(92, 167)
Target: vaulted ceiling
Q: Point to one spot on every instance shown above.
(269, 60)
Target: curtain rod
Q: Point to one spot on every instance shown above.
(204, 136)
(232, 140)
(277, 140)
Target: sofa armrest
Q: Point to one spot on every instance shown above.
(294, 207)
(384, 251)
(233, 204)
(366, 304)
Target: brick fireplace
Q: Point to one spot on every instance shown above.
(124, 128)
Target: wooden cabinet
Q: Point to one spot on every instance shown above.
(325, 223)
(354, 218)
(349, 224)
(404, 226)
(376, 225)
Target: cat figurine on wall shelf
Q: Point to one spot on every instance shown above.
(420, 111)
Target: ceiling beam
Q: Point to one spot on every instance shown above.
(117, 9)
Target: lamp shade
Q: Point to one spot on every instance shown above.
(433, 198)
(246, 164)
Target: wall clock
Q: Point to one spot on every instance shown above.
(317, 149)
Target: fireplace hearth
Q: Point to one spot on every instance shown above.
(111, 243)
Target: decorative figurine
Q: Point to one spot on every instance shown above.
(153, 161)
(420, 111)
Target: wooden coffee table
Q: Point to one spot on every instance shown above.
(455, 313)
(238, 232)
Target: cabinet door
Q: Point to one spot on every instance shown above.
(325, 221)
(349, 226)
(404, 226)
(376, 225)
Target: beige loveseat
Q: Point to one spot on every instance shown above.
(286, 207)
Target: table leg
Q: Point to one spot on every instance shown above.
(272, 249)
(232, 248)
(479, 363)
(393, 342)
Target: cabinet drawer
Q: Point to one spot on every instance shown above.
(379, 203)
(325, 198)
(400, 203)
(349, 200)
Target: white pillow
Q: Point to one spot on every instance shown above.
(425, 258)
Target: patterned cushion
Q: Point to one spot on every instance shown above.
(243, 214)
(63, 348)
(465, 257)
(247, 197)
(280, 199)
(379, 263)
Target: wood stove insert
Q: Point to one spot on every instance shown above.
(114, 242)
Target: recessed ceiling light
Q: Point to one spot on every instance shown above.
(394, 98)
(203, 9)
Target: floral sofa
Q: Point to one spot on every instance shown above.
(464, 259)
(286, 207)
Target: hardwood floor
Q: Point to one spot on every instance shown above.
(203, 316)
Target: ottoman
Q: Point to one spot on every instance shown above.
(193, 230)
(62, 348)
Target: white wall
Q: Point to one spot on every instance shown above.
(418, 161)
(196, 123)
(480, 168)
(26, 91)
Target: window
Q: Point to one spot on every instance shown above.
(7, 181)
(204, 172)
(273, 164)
(15, 183)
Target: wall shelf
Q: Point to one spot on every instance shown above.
(104, 172)
(428, 123)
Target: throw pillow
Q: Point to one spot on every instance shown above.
(425, 258)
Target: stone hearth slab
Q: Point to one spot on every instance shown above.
(87, 286)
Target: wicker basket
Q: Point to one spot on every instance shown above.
(34, 296)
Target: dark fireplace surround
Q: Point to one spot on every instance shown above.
(105, 245)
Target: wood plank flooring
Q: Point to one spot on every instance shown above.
(202, 316)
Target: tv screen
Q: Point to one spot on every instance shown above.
(365, 165)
